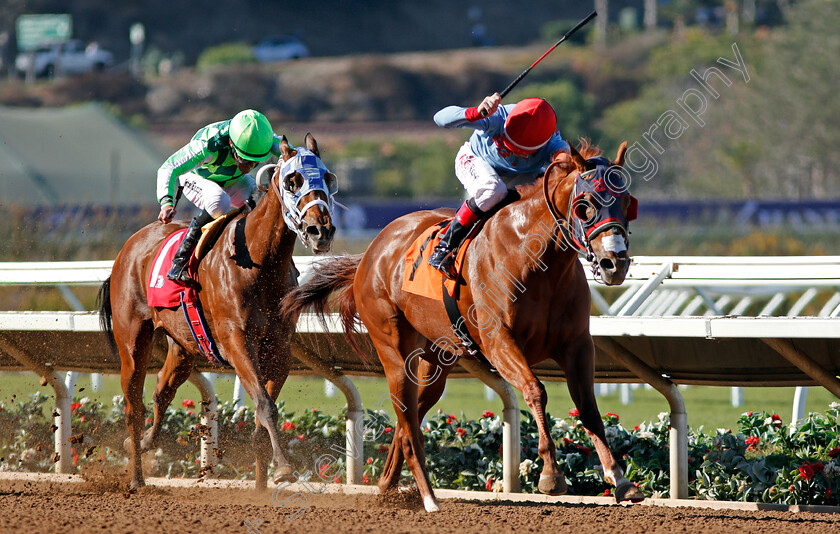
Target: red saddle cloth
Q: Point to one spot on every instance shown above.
(421, 278)
(163, 292)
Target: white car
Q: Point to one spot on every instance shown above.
(281, 48)
(70, 57)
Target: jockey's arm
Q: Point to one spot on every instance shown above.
(458, 117)
(184, 160)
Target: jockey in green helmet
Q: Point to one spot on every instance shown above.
(213, 169)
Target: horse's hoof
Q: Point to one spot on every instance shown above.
(552, 484)
(136, 484)
(430, 504)
(284, 473)
(629, 492)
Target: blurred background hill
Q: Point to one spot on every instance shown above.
(759, 154)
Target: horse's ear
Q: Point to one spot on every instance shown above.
(580, 163)
(622, 151)
(311, 145)
(285, 149)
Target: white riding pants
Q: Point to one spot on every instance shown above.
(481, 181)
(216, 200)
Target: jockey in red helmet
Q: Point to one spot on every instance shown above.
(511, 146)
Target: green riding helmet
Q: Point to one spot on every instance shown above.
(252, 135)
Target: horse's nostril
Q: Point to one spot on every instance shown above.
(313, 231)
(606, 265)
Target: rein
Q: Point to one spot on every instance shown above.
(563, 222)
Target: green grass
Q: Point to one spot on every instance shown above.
(706, 406)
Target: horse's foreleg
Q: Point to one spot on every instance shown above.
(274, 368)
(579, 366)
(175, 371)
(135, 352)
(514, 368)
(430, 391)
(266, 415)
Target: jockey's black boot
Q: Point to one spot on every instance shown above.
(178, 272)
(443, 257)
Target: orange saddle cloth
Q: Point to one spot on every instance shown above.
(419, 277)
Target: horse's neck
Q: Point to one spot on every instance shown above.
(269, 240)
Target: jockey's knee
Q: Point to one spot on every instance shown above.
(218, 207)
(490, 195)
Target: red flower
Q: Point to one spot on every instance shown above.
(188, 403)
(834, 452)
(388, 430)
(792, 488)
(461, 432)
(567, 441)
(301, 437)
(452, 416)
(370, 460)
(148, 420)
(449, 420)
(288, 425)
(241, 426)
(366, 479)
(749, 414)
(337, 479)
(828, 493)
(636, 427)
(607, 492)
(777, 421)
(752, 441)
(585, 450)
(818, 467)
(324, 469)
(488, 413)
(574, 412)
(383, 448)
(489, 484)
(610, 414)
(75, 406)
(75, 459)
(806, 471)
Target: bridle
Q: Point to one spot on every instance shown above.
(315, 178)
(574, 232)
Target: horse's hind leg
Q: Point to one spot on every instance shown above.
(135, 348)
(579, 365)
(431, 386)
(391, 348)
(175, 371)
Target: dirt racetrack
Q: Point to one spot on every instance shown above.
(35, 507)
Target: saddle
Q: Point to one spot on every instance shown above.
(164, 293)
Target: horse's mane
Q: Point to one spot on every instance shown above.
(585, 148)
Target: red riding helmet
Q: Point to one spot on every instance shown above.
(529, 126)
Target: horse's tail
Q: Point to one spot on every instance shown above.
(103, 302)
(333, 276)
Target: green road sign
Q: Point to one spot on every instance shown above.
(34, 30)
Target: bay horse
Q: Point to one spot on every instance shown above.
(524, 293)
(243, 278)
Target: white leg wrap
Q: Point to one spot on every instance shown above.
(430, 504)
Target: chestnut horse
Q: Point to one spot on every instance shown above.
(243, 278)
(525, 296)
